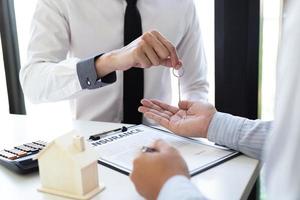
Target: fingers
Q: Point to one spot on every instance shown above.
(185, 105)
(157, 49)
(167, 62)
(142, 58)
(151, 54)
(158, 119)
(171, 49)
(165, 106)
(149, 110)
(164, 114)
(160, 145)
(149, 104)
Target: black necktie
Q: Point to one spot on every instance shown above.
(133, 86)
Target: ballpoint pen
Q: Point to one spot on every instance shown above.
(148, 149)
(98, 136)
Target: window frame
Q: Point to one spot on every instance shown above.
(11, 57)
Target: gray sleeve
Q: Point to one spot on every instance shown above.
(88, 77)
(241, 134)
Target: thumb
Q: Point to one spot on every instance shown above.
(185, 105)
(161, 146)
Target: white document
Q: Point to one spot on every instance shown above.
(119, 149)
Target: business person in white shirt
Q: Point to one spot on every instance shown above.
(164, 175)
(68, 38)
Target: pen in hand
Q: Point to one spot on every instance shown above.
(148, 149)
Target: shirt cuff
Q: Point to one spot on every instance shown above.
(87, 75)
(224, 129)
(179, 187)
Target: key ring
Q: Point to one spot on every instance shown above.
(178, 75)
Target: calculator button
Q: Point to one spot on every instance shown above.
(8, 155)
(24, 148)
(2, 153)
(33, 146)
(17, 152)
(40, 142)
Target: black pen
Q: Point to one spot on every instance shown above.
(148, 149)
(98, 136)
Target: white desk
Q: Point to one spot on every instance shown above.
(233, 179)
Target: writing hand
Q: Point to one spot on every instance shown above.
(152, 170)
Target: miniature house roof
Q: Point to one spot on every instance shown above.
(66, 144)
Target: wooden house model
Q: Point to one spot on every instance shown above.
(68, 168)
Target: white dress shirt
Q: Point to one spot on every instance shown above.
(277, 143)
(282, 155)
(66, 32)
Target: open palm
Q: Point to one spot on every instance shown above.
(191, 119)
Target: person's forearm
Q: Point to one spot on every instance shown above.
(104, 64)
(49, 81)
(49, 75)
(241, 134)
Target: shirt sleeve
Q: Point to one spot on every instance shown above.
(241, 134)
(88, 77)
(50, 75)
(184, 188)
(191, 50)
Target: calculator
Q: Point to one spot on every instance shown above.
(20, 158)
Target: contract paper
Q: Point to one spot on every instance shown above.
(119, 149)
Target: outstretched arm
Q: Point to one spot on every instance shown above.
(200, 119)
(190, 119)
(51, 75)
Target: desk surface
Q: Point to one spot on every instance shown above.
(233, 179)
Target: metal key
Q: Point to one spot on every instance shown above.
(179, 90)
(178, 75)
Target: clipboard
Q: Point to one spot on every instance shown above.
(117, 149)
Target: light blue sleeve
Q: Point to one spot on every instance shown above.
(179, 187)
(241, 134)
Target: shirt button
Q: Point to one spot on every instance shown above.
(88, 82)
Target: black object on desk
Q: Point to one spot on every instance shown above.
(20, 158)
(98, 136)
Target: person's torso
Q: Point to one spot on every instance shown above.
(96, 26)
